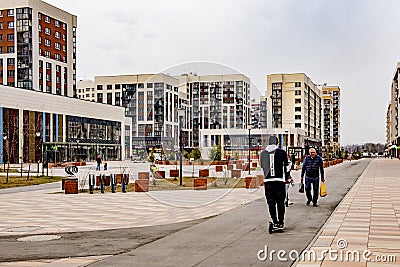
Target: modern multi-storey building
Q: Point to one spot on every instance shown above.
(154, 100)
(331, 119)
(394, 139)
(39, 117)
(388, 124)
(217, 102)
(151, 100)
(37, 47)
(295, 104)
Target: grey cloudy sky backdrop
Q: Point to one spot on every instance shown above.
(353, 44)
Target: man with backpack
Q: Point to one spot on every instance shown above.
(274, 162)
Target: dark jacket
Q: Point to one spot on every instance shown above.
(312, 167)
(276, 170)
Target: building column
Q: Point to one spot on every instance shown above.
(51, 128)
(20, 134)
(123, 154)
(64, 128)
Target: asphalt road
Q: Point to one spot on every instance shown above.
(233, 238)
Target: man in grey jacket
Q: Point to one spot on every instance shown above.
(274, 162)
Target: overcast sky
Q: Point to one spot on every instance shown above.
(353, 44)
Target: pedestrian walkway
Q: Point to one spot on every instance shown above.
(364, 230)
(50, 212)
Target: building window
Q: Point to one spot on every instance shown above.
(57, 46)
(48, 77)
(117, 86)
(297, 117)
(10, 37)
(47, 42)
(40, 28)
(10, 61)
(10, 25)
(297, 100)
(47, 31)
(297, 125)
(1, 13)
(57, 23)
(297, 109)
(47, 54)
(58, 68)
(297, 92)
(47, 19)
(109, 87)
(10, 49)
(58, 57)
(11, 74)
(297, 84)
(99, 87)
(64, 26)
(57, 35)
(10, 12)
(48, 66)
(1, 38)
(149, 85)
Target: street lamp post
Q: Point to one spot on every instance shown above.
(249, 147)
(181, 113)
(37, 135)
(5, 140)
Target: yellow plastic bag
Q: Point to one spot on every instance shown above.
(322, 190)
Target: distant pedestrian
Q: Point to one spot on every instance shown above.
(98, 160)
(288, 183)
(312, 166)
(274, 161)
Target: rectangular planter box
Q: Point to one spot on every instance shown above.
(160, 175)
(218, 168)
(71, 186)
(107, 180)
(251, 182)
(204, 173)
(143, 175)
(200, 184)
(118, 176)
(236, 173)
(173, 173)
(142, 185)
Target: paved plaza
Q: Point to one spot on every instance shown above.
(368, 217)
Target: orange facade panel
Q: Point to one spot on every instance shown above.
(53, 35)
(7, 39)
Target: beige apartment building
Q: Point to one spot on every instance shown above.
(294, 106)
(37, 47)
(331, 120)
(393, 126)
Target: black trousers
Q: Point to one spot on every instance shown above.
(275, 193)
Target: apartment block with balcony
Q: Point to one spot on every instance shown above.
(295, 108)
(394, 138)
(151, 100)
(331, 119)
(37, 47)
(217, 102)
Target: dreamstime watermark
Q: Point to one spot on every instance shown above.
(341, 254)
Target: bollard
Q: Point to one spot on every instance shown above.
(125, 181)
(102, 182)
(92, 181)
(113, 181)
